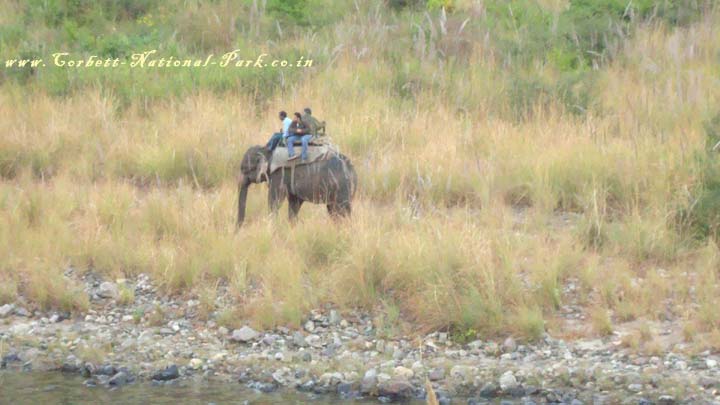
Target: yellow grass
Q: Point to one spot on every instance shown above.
(462, 220)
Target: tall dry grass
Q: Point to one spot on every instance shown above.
(464, 220)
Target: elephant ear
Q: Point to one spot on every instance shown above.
(262, 168)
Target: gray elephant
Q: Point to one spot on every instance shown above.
(331, 182)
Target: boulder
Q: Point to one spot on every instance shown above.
(118, 380)
(170, 373)
(107, 290)
(244, 335)
(334, 317)
(396, 389)
(299, 340)
(508, 381)
(6, 310)
(489, 390)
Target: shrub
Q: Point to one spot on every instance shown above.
(702, 214)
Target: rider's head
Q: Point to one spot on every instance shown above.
(282, 115)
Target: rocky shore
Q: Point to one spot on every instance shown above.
(338, 354)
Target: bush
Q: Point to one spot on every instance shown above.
(291, 12)
(702, 215)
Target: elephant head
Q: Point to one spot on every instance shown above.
(254, 169)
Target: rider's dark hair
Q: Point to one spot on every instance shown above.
(297, 114)
(283, 114)
(308, 110)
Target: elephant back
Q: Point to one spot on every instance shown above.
(316, 153)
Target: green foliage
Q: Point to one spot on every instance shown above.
(702, 216)
(291, 12)
(448, 5)
(569, 44)
(402, 4)
(463, 336)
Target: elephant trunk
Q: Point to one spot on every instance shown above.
(243, 185)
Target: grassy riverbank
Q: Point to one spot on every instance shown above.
(503, 155)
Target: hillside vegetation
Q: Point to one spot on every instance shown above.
(506, 150)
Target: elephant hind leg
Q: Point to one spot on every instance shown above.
(339, 210)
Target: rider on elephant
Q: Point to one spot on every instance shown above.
(278, 136)
(312, 123)
(298, 132)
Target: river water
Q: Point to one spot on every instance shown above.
(57, 388)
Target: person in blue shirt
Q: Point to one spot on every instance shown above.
(278, 136)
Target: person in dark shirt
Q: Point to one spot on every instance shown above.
(311, 122)
(298, 132)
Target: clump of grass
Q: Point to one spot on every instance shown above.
(138, 315)
(631, 341)
(92, 354)
(157, 316)
(529, 323)
(387, 321)
(229, 318)
(653, 348)
(601, 323)
(126, 295)
(207, 298)
(689, 331)
(8, 291)
(49, 289)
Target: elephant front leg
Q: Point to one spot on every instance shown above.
(294, 204)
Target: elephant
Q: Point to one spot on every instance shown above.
(331, 182)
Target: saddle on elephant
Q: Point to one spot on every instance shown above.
(317, 151)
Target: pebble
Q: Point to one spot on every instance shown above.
(403, 372)
(21, 311)
(20, 329)
(666, 400)
(369, 382)
(461, 372)
(436, 374)
(708, 382)
(475, 345)
(635, 387)
(509, 345)
(309, 326)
